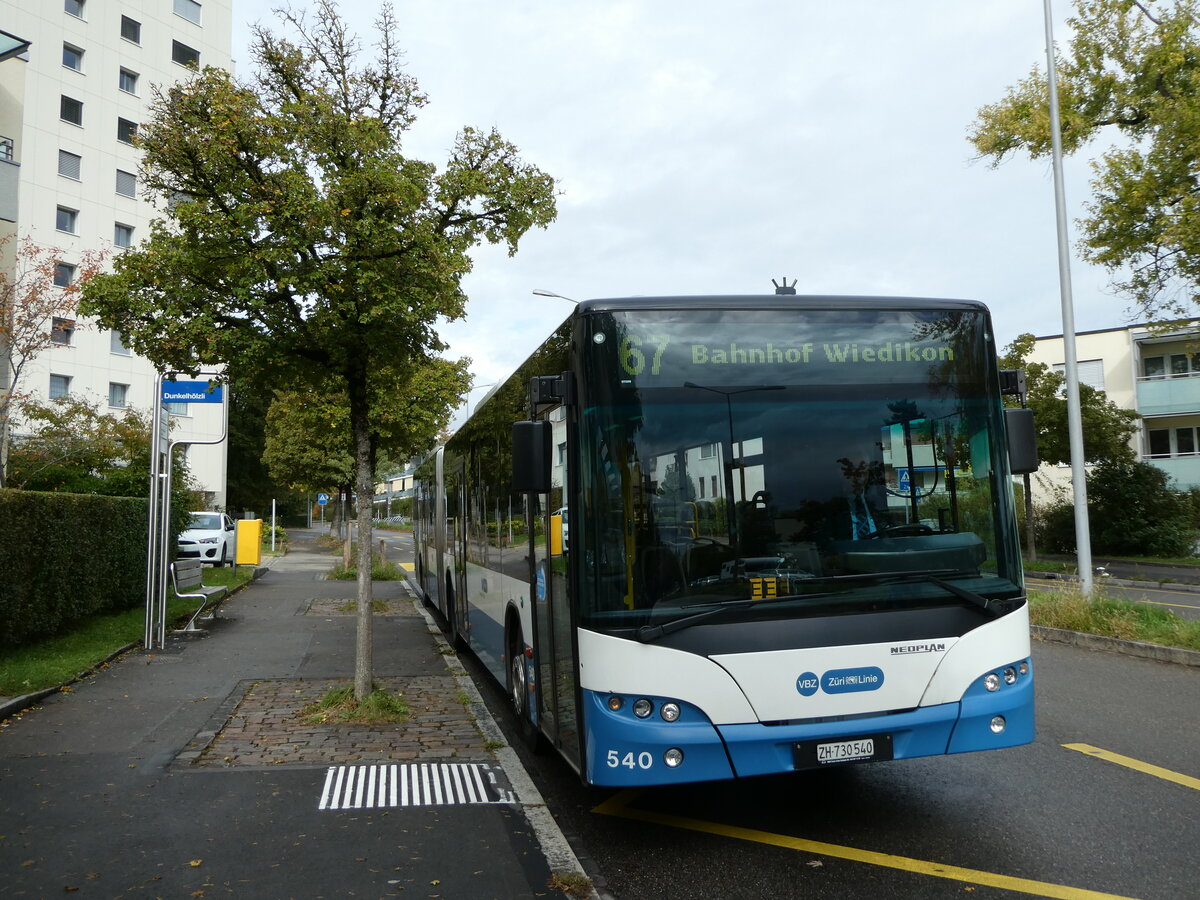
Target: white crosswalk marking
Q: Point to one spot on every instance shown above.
(411, 784)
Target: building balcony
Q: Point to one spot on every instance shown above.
(1185, 470)
(1168, 395)
(10, 172)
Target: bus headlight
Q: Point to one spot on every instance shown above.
(673, 758)
(669, 712)
(991, 681)
(615, 702)
(998, 725)
(1010, 675)
(642, 708)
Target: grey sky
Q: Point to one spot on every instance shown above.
(707, 147)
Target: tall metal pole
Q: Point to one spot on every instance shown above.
(1083, 540)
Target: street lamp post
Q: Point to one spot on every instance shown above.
(542, 292)
(1083, 540)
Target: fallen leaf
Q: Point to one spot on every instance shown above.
(195, 863)
(815, 864)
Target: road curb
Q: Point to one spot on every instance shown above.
(555, 847)
(1176, 655)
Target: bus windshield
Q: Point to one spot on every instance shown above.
(789, 462)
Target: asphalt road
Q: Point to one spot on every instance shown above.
(1051, 819)
(1104, 804)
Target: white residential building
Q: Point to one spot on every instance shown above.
(69, 106)
(1156, 373)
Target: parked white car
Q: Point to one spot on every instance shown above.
(210, 537)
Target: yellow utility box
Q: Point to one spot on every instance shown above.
(249, 542)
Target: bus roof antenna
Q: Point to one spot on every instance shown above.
(782, 287)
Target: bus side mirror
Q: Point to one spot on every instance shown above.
(1022, 441)
(531, 446)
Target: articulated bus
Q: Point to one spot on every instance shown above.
(701, 538)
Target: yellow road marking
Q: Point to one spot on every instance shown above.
(409, 567)
(618, 805)
(1129, 762)
(1164, 603)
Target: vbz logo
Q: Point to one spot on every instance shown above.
(807, 684)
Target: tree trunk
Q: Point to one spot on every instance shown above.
(364, 461)
(1030, 548)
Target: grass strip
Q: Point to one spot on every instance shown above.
(1068, 609)
(64, 657)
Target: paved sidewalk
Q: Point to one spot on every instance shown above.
(452, 812)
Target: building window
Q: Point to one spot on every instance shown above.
(131, 29)
(72, 57)
(116, 344)
(70, 110)
(126, 131)
(69, 164)
(185, 55)
(176, 409)
(8, 149)
(1185, 441)
(128, 81)
(189, 9)
(64, 274)
(1168, 442)
(118, 395)
(1090, 371)
(61, 331)
(66, 219)
(708, 451)
(122, 235)
(60, 386)
(126, 184)
(73, 8)
(1175, 365)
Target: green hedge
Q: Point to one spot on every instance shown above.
(64, 557)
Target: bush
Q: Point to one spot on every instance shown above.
(66, 557)
(1132, 511)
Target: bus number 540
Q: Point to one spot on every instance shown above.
(644, 760)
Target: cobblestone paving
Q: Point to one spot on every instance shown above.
(264, 728)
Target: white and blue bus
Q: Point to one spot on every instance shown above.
(702, 538)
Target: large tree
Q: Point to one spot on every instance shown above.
(300, 242)
(1132, 72)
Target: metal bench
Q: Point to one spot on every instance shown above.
(187, 580)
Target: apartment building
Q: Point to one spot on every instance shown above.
(1155, 372)
(76, 78)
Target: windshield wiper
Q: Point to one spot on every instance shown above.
(934, 576)
(648, 633)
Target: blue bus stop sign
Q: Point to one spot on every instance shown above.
(322, 499)
(191, 392)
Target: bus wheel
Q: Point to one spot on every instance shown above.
(518, 686)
